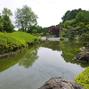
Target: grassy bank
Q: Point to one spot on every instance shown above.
(83, 78)
(16, 40)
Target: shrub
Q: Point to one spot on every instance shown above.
(83, 78)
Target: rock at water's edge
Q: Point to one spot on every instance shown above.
(83, 56)
(58, 83)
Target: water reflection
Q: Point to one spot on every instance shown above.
(7, 62)
(25, 58)
(29, 58)
(35, 66)
(52, 45)
(70, 50)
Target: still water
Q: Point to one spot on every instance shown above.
(36, 65)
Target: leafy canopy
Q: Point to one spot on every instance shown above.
(25, 18)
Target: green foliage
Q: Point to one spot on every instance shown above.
(35, 29)
(69, 15)
(83, 16)
(83, 78)
(76, 25)
(25, 18)
(1, 24)
(69, 23)
(7, 24)
(84, 39)
(7, 12)
(16, 40)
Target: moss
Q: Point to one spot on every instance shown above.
(83, 78)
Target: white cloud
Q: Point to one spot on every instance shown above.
(48, 11)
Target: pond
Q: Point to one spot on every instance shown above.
(33, 67)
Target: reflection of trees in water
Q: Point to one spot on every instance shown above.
(7, 63)
(10, 61)
(31, 55)
(29, 58)
(54, 45)
(25, 58)
(69, 51)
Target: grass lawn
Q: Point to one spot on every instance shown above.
(15, 40)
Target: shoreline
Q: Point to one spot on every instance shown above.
(11, 53)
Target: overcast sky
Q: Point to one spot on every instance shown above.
(49, 12)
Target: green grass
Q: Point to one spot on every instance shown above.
(15, 40)
(83, 78)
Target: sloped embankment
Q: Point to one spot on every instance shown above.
(11, 42)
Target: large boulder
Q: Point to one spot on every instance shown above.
(59, 83)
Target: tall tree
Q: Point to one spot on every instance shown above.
(83, 16)
(7, 25)
(25, 18)
(7, 12)
(69, 15)
(1, 23)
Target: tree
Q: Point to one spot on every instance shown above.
(84, 38)
(54, 30)
(7, 12)
(69, 15)
(35, 29)
(1, 23)
(76, 24)
(25, 18)
(7, 24)
(83, 16)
